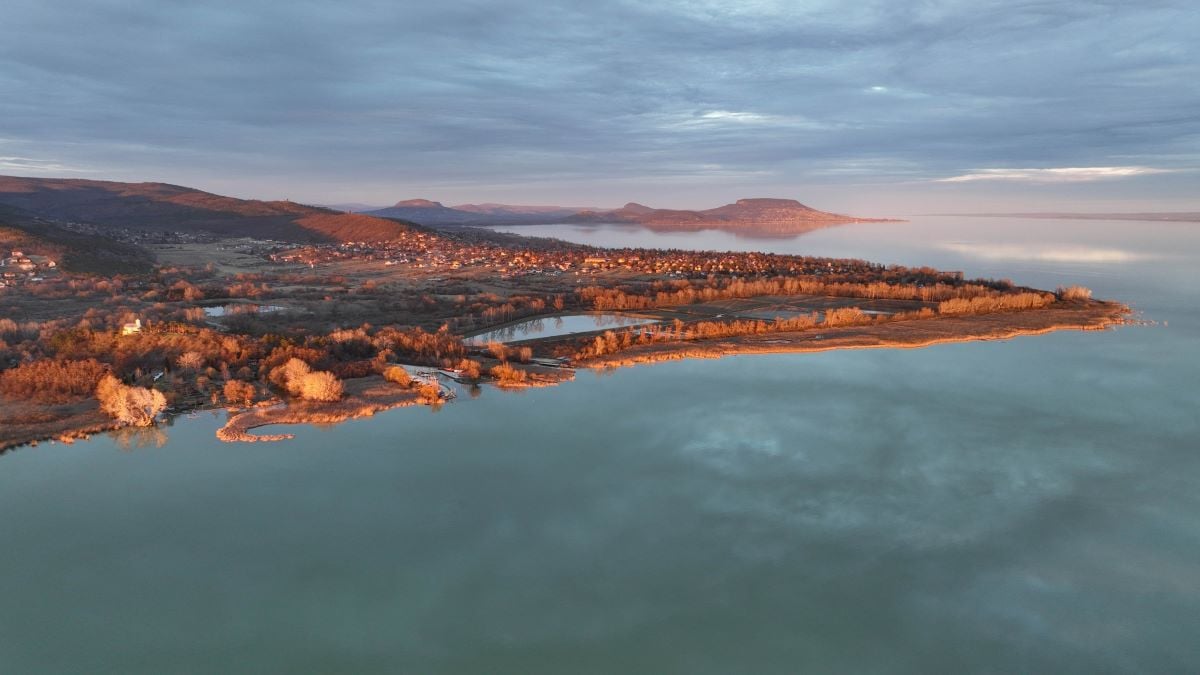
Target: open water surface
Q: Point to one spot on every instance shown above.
(1022, 506)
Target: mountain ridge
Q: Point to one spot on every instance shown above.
(157, 207)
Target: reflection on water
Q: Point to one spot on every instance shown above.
(1059, 253)
(133, 438)
(556, 326)
(1010, 506)
(240, 308)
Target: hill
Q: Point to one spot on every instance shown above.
(164, 207)
(761, 215)
(435, 214)
(521, 212)
(73, 251)
(427, 212)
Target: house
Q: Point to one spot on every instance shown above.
(132, 328)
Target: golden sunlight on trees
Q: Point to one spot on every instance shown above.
(844, 316)
(471, 369)
(1074, 293)
(239, 392)
(298, 379)
(397, 375)
(320, 386)
(994, 303)
(429, 392)
(497, 350)
(506, 374)
(190, 361)
(52, 381)
(132, 405)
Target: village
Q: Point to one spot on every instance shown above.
(19, 269)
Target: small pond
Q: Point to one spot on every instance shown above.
(556, 326)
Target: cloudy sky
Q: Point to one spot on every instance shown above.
(880, 107)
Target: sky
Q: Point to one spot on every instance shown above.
(870, 107)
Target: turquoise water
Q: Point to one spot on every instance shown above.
(1022, 506)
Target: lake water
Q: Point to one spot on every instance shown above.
(1022, 506)
(556, 326)
(228, 310)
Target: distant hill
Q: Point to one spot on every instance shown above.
(764, 216)
(522, 211)
(426, 212)
(72, 251)
(164, 207)
(351, 207)
(752, 216)
(433, 213)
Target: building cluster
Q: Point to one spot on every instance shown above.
(434, 252)
(18, 269)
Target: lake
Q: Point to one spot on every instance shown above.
(1030, 505)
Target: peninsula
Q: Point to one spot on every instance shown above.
(121, 303)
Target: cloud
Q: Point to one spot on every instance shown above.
(370, 100)
(31, 166)
(1062, 175)
(731, 116)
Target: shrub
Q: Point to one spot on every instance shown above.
(1074, 293)
(429, 392)
(506, 374)
(397, 375)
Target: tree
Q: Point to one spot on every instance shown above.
(320, 386)
(497, 349)
(136, 406)
(190, 361)
(429, 392)
(289, 375)
(237, 391)
(397, 375)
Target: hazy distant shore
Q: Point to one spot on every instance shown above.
(1164, 216)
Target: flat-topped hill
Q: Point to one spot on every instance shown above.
(757, 215)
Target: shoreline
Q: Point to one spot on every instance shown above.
(366, 396)
(73, 421)
(910, 334)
